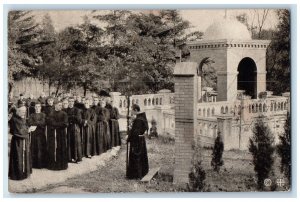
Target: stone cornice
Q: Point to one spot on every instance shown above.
(221, 44)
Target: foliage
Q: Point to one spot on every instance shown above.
(284, 149)
(23, 34)
(197, 178)
(217, 161)
(278, 52)
(262, 149)
(278, 62)
(47, 70)
(142, 48)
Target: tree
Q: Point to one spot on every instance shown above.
(23, 35)
(262, 149)
(48, 68)
(157, 37)
(142, 47)
(217, 161)
(255, 22)
(117, 47)
(284, 149)
(278, 60)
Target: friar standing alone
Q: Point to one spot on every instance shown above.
(138, 165)
(57, 123)
(20, 156)
(38, 137)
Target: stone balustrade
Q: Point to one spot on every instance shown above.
(252, 107)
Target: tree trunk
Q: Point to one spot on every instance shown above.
(84, 90)
(57, 89)
(49, 86)
(10, 90)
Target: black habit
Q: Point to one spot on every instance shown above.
(38, 140)
(114, 126)
(57, 123)
(74, 135)
(138, 165)
(20, 157)
(88, 132)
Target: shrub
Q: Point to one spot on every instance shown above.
(196, 178)
(217, 161)
(284, 149)
(261, 148)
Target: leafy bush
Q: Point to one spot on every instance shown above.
(196, 178)
(262, 149)
(284, 149)
(217, 161)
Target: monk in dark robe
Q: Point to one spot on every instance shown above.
(102, 127)
(74, 136)
(79, 103)
(88, 129)
(57, 123)
(38, 138)
(98, 128)
(20, 156)
(30, 105)
(65, 105)
(106, 117)
(138, 165)
(49, 108)
(113, 123)
(43, 99)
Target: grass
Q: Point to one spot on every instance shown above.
(236, 175)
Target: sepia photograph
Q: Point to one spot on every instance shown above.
(149, 101)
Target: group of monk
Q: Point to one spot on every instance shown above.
(50, 132)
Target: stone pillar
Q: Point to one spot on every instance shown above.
(115, 96)
(222, 86)
(261, 82)
(199, 88)
(229, 139)
(186, 95)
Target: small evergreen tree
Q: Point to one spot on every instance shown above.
(217, 161)
(261, 148)
(284, 148)
(196, 178)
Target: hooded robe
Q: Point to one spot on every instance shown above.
(20, 156)
(57, 123)
(138, 165)
(74, 135)
(88, 132)
(38, 140)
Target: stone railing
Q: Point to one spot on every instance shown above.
(250, 107)
(158, 107)
(145, 101)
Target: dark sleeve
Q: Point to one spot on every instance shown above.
(93, 118)
(100, 115)
(55, 122)
(78, 117)
(138, 128)
(83, 116)
(36, 121)
(117, 115)
(19, 130)
(30, 120)
(65, 120)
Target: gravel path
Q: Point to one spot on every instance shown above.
(43, 178)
